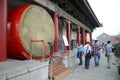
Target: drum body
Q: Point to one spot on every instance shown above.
(26, 23)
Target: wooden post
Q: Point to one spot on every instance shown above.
(78, 35)
(56, 41)
(68, 34)
(83, 36)
(3, 23)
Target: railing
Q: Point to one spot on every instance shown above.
(41, 41)
(49, 54)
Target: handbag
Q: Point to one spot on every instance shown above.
(88, 55)
(78, 54)
(92, 53)
(105, 54)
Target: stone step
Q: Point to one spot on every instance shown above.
(61, 74)
(59, 71)
(54, 64)
(56, 68)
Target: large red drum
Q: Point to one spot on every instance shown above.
(26, 23)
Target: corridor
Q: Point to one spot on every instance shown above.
(94, 73)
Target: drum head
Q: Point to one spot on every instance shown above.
(36, 24)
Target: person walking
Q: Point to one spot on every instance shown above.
(109, 48)
(87, 53)
(96, 50)
(80, 53)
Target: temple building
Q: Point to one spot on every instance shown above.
(39, 38)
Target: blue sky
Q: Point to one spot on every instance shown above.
(108, 13)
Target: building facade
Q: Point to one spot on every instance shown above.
(104, 37)
(64, 23)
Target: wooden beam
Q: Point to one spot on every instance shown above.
(72, 19)
(62, 13)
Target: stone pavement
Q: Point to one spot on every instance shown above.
(94, 73)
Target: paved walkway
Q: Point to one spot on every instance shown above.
(94, 73)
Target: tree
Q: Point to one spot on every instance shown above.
(117, 54)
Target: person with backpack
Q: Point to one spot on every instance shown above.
(80, 53)
(87, 53)
(109, 48)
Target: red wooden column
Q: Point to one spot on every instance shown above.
(3, 22)
(55, 19)
(83, 36)
(90, 33)
(68, 34)
(78, 35)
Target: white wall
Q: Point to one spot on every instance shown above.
(88, 37)
(74, 35)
